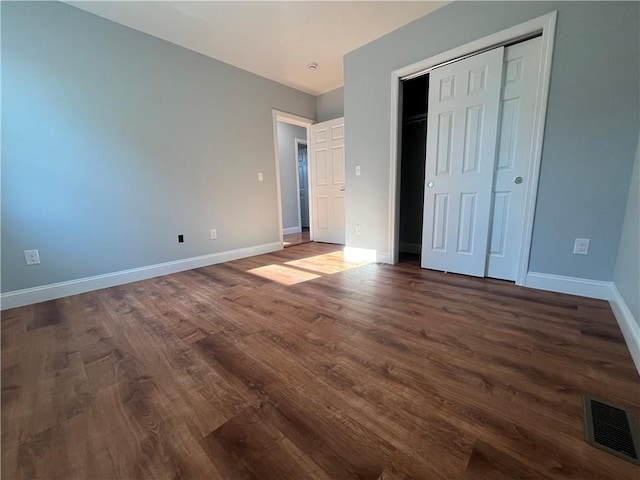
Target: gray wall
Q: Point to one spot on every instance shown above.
(627, 273)
(590, 136)
(287, 135)
(114, 142)
(330, 105)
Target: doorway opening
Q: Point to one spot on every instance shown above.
(302, 185)
(291, 134)
(412, 165)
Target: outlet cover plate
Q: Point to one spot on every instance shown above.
(581, 246)
(32, 257)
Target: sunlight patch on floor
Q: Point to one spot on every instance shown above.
(328, 263)
(283, 275)
(309, 268)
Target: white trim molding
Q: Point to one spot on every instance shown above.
(28, 296)
(628, 325)
(383, 257)
(288, 231)
(582, 287)
(357, 255)
(545, 24)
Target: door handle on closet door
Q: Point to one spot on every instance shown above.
(342, 189)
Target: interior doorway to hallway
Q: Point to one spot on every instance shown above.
(291, 134)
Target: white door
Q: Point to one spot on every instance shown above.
(518, 105)
(464, 104)
(327, 165)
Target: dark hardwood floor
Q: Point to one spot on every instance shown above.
(295, 365)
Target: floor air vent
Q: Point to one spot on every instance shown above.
(611, 429)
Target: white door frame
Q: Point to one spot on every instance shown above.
(299, 142)
(292, 119)
(545, 24)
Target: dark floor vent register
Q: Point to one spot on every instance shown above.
(611, 429)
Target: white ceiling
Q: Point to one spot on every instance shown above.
(274, 39)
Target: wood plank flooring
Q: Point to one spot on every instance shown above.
(296, 238)
(297, 365)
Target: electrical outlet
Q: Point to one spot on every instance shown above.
(180, 238)
(358, 229)
(213, 234)
(581, 246)
(260, 177)
(32, 257)
(357, 170)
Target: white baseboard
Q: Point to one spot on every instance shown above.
(383, 257)
(18, 298)
(289, 231)
(357, 255)
(629, 325)
(571, 285)
(415, 248)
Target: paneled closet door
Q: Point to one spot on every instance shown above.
(464, 105)
(521, 72)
